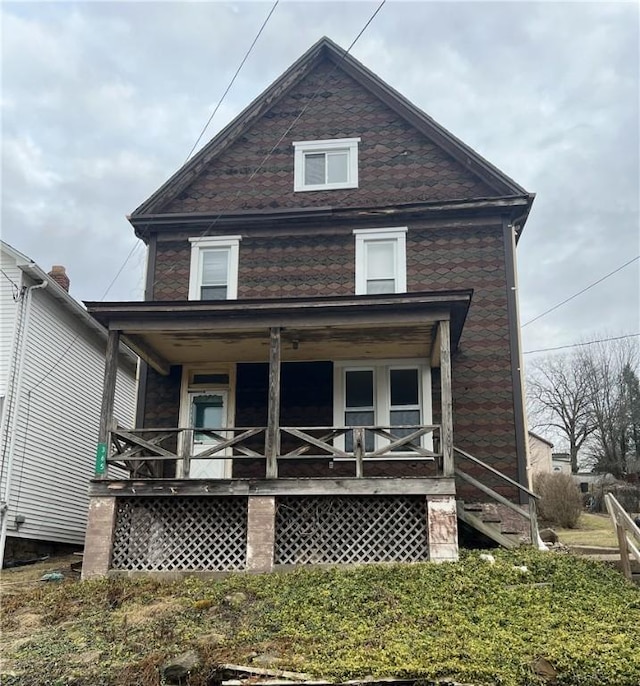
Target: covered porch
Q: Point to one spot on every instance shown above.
(347, 390)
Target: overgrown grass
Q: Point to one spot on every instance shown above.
(472, 622)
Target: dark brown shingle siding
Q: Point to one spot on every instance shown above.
(396, 163)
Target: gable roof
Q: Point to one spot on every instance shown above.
(327, 49)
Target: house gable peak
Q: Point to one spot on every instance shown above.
(325, 50)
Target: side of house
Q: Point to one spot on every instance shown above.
(540, 461)
(51, 380)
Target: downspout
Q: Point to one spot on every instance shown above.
(515, 349)
(13, 403)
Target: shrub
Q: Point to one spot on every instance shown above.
(560, 500)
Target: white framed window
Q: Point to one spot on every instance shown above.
(381, 261)
(382, 393)
(325, 165)
(214, 268)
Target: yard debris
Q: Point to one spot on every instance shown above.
(487, 557)
(230, 670)
(52, 576)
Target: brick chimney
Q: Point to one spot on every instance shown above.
(59, 274)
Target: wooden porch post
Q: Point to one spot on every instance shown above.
(108, 398)
(446, 400)
(273, 419)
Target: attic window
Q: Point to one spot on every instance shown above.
(326, 165)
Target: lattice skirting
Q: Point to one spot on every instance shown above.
(350, 529)
(180, 534)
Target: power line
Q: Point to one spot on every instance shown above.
(577, 345)
(244, 59)
(204, 233)
(575, 295)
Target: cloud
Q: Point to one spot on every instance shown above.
(102, 102)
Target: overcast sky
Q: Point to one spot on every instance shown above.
(102, 101)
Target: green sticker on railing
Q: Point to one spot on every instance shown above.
(101, 458)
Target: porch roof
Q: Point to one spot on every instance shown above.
(178, 332)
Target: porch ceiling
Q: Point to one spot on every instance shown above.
(353, 327)
(298, 344)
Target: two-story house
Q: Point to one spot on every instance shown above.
(52, 358)
(331, 303)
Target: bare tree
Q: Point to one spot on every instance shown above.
(613, 398)
(559, 399)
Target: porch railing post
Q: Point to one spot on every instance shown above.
(273, 420)
(108, 398)
(186, 446)
(358, 449)
(446, 437)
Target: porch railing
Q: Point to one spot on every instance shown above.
(137, 453)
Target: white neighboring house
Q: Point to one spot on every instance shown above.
(561, 462)
(51, 376)
(539, 456)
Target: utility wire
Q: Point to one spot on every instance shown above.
(584, 290)
(206, 231)
(244, 59)
(577, 345)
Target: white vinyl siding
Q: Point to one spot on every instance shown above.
(381, 261)
(57, 424)
(325, 165)
(8, 308)
(214, 268)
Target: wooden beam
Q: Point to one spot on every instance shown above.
(273, 416)
(255, 320)
(435, 349)
(172, 488)
(108, 399)
(495, 495)
(148, 354)
(446, 421)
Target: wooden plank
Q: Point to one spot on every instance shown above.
(108, 400)
(148, 354)
(399, 442)
(331, 450)
(273, 416)
(358, 450)
(315, 486)
(624, 550)
(334, 433)
(485, 529)
(260, 321)
(435, 349)
(502, 476)
(147, 445)
(446, 435)
(493, 494)
(230, 442)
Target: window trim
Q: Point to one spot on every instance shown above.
(364, 236)
(382, 392)
(301, 148)
(198, 246)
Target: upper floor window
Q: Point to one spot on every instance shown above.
(326, 165)
(214, 268)
(381, 261)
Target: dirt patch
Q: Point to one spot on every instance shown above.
(143, 614)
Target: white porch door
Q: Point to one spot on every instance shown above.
(207, 410)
